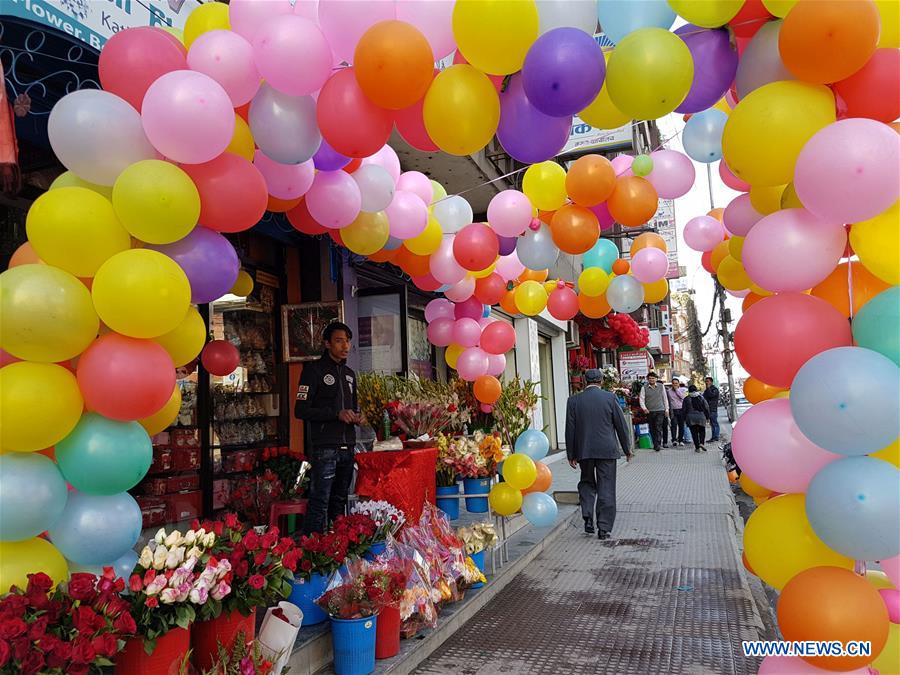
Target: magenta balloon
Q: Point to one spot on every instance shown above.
(703, 233)
(604, 217)
(247, 16)
(228, 59)
(471, 364)
(440, 331)
(498, 338)
(285, 181)
(443, 264)
(771, 449)
(730, 179)
(509, 267)
(439, 308)
(461, 290)
(715, 64)
(417, 183)
(466, 332)
(673, 174)
(740, 216)
(792, 250)
(509, 213)
(208, 260)
(649, 265)
(407, 215)
(621, 164)
(849, 171)
(281, 43)
(496, 364)
(334, 200)
(527, 134)
(469, 308)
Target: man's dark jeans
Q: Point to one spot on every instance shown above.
(657, 420)
(331, 475)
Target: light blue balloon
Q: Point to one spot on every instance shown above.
(95, 529)
(536, 249)
(533, 443)
(602, 254)
(393, 243)
(877, 324)
(486, 312)
(702, 135)
(846, 400)
(853, 504)
(618, 18)
(540, 509)
(122, 566)
(32, 495)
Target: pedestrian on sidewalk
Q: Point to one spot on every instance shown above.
(594, 425)
(711, 395)
(696, 412)
(655, 402)
(676, 394)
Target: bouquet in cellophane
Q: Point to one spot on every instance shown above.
(417, 602)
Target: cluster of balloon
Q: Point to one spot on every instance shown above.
(526, 480)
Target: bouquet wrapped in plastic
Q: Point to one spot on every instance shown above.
(417, 602)
(451, 546)
(360, 590)
(442, 550)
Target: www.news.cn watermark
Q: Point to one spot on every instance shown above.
(806, 648)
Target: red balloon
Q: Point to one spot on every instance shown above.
(233, 194)
(476, 247)
(490, 289)
(411, 126)
(563, 303)
(426, 282)
(133, 59)
(706, 261)
(348, 120)
(354, 164)
(873, 91)
(220, 357)
(751, 17)
(302, 221)
(124, 378)
(498, 337)
(780, 333)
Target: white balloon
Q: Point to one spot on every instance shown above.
(580, 14)
(387, 159)
(625, 294)
(453, 213)
(376, 186)
(284, 126)
(536, 249)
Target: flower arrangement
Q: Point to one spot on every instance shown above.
(71, 629)
(514, 409)
(388, 518)
(364, 594)
(473, 456)
(445, 470)
(253, 498)
(358, 531)
(287, 465)
(419, 419)
(243, 659)
(320, 553)
(478, 537)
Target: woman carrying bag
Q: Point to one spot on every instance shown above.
(696, 414)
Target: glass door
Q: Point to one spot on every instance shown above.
(383, 331)
(548, 397)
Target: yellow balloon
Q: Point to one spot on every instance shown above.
(505, 500)
(789, 198)
(877, 243)
(461, 110)
(165, 416)
(486, 272)
(18, 559)
(601, 113)
(783, 394)
(494, 35)
(519, 471)
(780, 542)
(723, 105)
(888, 661)
(206, 17)
(759, 290)
(780, 8)
(156, 201)
(41, 404)
(425, 243)
(732, 275)
(185, 342)
(890, 454)
(593, 282)
(890, 23)
(242, 143)
(177, 32)
(767, 129)
(451, 354)
(650, 73)
(879, 579)
(243, 286)
(736, 247)
(141, 293)
(69, 179)
(47, 314)
(752, 488)
(531, 298)
(439, 192)
(719, 253)
(707, 13)
(370, 232)
(545, 185)
(656, 292)
(767, 199)
(76, 229)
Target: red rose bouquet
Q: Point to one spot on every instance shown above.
(67, 630)
(358, 529)
(252, 498)
(321, 553)
(363, 594)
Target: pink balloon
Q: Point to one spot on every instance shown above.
(228, 59)
(387, 159)
(407, 216)
(738, 294)
(486, 407)
(247, 16)
(283, 42)
(509, 213)
(6, 358)
(434, 18)
(703, 233)
(188, 117)
(849, 171)
(461, 290)
(509, 267)
(470, 307)
(496, 364)
(439, 308)
(308, 9)
(792, 665)
(417, 183)
(486, 321)
(440, 331)
(771, 449)
(792, 250)
(891, 567)
(472, 364)
(345, 21)
(466, 332)
(731, 180)
(649, 265)
(443, 264)
(891, 597)
(604, 217)
(673, 173)
(498, 338)
(740, 216)
(334, 199)
(621, 164)
(285, 181)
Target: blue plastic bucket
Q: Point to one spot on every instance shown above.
(474, 486)
(305, 593)
(478, 558)
(375, 549)
(448, 506)
(353, 643)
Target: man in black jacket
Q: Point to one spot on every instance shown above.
(326, 401)
(711, 394)
(594, 423)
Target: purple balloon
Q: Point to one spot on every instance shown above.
(715, 65)
(526, 133)
(507, 244)
(329, 159)
(208, 260)
(563, 72)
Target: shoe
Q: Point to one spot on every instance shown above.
(696, 449)
(656, 449)
(601, 535)
(703, 448)
(588, 526)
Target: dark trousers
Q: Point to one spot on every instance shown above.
(597, 489)
(676, 422)
(329, 483)
(714, 422)
(698, 431)
(657, 422)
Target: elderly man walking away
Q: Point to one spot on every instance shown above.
(595, 428)
(655, 403)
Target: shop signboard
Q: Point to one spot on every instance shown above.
(634, 365)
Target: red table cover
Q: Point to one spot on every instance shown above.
(405, 478)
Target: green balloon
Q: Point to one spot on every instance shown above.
(877, 324)
(642, 165)
(104, 457)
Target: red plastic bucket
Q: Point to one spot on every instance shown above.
(165, 659)
(387, 633)
(207, 635)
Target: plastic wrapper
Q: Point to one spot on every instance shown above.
(418, 609)
(443, 551)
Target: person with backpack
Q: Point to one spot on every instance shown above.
(696, 413)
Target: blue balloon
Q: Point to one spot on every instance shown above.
(32, 495)
(95, 529)
(393, 243)
(122, 566)
(618, 18)
(702, 135)
(846, 399)
(536, 249)
(877, 324)
(602, 254)
(533, 443)
(540, 509)
(486, 312)
(853, 504)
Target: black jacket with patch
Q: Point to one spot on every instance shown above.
(326, 387)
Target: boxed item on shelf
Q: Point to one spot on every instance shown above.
(184, 438)
(183, 482)
(221, 493)
(153, 510)
(185, 458)
(155, 486)
(239, 460)
(162, 459)
(183, 506)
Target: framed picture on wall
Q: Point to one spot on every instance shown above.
(302, 326)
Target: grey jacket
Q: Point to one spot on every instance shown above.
(595, 426)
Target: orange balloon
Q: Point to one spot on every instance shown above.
(414, 265)
(539, 276)
(756, 390)
(830, 603)
(394, 64)
(835, 288)
(824, 42)
(747, 564)
(546, 216)
(718, 214)
(244, 112)
(487, 389)
(49, 452)
(543, 480)
(277, 205)
(591, 180)
(508, 302)
(575, 229)
(620, 267)
(749, 300)
(593, 307)
(24, 255)
(383, 255)
(633, 201)
(648, 240)
(719, 253)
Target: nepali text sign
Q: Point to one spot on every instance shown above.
(634, 365)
